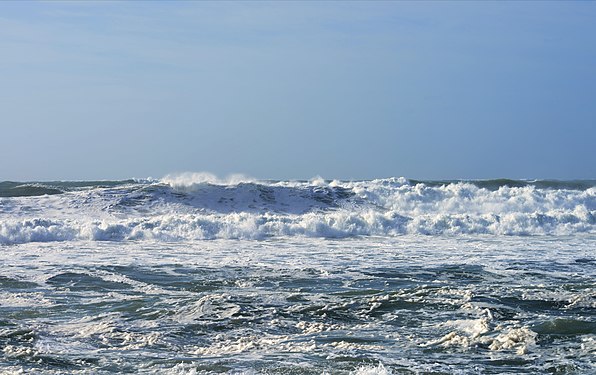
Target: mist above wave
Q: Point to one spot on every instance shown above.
(190, 180)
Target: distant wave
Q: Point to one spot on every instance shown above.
(495, 184)
(16, 189)
(190, 181)
(200, 206)
(31, 189)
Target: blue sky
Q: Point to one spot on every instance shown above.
(292, 90)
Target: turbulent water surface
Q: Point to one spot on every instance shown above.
(193, 275)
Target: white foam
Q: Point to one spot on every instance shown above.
(24, 299)
(372, 370)
(520, 339)
(13, 351)
(226, 346)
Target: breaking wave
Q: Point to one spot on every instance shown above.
(201, 206)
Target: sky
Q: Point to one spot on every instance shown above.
(293, 90)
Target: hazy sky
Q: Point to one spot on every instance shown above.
(291, 90)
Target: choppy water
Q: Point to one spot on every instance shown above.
(299, 278)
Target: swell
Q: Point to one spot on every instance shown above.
(289, 198)
(38, 188)
(34, 188)
(17, 189)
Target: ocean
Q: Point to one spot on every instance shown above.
(193, 275)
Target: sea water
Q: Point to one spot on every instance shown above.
(193, 275)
